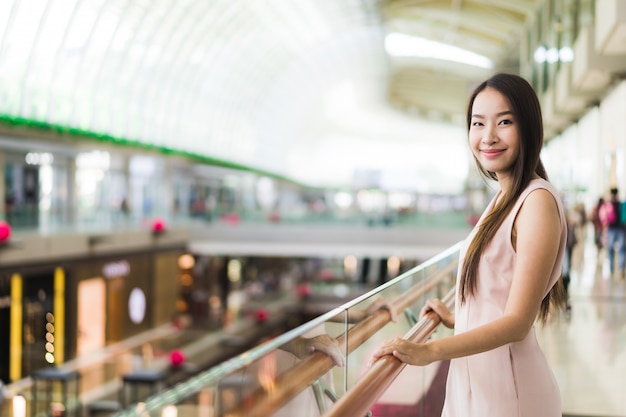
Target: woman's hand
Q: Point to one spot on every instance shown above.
(435, 305)
(303, 347)
(406, 351)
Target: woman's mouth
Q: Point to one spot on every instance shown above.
(492, 153)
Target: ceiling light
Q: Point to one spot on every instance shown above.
(398, 44)
(540, 54)
(566, 54)
(552, 55)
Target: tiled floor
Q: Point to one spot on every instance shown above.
(587, 349)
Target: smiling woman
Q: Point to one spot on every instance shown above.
(509, 269)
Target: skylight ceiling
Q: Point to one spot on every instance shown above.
(251, 82)
(490, 30)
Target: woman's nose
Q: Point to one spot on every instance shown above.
(489, 136)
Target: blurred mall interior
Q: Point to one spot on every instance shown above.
(187, 181)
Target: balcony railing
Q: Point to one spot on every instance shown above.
(320, 367)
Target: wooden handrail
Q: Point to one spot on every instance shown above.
(370, 386)
(293, 381)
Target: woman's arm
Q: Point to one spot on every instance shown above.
(537, 233)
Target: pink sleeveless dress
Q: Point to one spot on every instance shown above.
(513, 380)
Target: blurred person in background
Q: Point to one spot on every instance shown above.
(598, 230)
(610, 218)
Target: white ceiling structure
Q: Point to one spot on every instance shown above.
(317, 91)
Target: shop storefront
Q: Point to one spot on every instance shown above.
(53, 313)
(113, 299)
(37, 185)
(32, 317)
(122, 296)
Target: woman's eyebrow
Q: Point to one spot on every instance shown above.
(503, 113)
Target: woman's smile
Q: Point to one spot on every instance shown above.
(492, 153)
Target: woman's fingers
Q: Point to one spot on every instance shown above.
(329, 346)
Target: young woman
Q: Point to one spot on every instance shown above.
(509, 270)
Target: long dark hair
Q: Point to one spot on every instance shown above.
(529, 123)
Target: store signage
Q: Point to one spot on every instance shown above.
(117, 269)
(39, 158)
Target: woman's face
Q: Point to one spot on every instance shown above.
(493, 133)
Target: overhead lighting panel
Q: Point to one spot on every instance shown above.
(402, 45)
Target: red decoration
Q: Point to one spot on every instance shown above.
(261, 315)
(177, 358)
(5, 231)
(158, 225)
(274, 217)
(327, 274)
(232, 218)
(472, 219)
(303, 290)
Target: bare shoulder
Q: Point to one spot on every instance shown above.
(541, 200)
(540, 209)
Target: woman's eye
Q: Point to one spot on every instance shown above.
(477, 124)
(506, 122)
